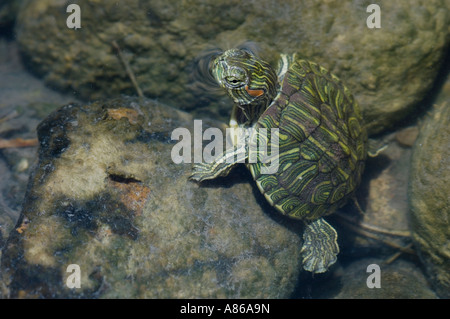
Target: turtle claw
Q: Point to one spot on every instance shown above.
(204, 171)
(320, 248)
(200, 172)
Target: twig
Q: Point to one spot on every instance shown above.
(18, 142)
(391, 259)
(10, 116)
(364, 233)
(358, 207)
(373, 228)
(127, 69)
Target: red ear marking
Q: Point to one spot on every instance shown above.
(254, 93)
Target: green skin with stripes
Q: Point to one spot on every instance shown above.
(322, 141)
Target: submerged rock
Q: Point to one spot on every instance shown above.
(429, 197)
(107, 197)
(8, 12)
(402, 280)
(389, 70)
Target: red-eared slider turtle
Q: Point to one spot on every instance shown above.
(322, 141)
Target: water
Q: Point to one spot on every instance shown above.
(153, 50)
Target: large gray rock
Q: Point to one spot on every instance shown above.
(106, 196)
(429, 197)
(389, 70)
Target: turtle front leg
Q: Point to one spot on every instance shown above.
(320, 246)
(220, 167)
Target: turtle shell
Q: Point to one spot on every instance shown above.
(322, 144)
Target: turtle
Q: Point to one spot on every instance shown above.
(322, 141)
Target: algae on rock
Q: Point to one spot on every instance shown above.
(429, 197)
(106, 196)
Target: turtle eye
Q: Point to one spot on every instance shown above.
(234, 81)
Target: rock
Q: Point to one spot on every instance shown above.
(8, 12)
(407, 136)
(25, 101)
(389, 70)
(401, 280)
(105, 195)
(429, 197)
(21, 90)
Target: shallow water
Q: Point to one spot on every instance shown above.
(381, 237)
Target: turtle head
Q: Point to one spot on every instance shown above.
(251, 82)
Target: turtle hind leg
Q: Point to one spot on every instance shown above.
(320, 246)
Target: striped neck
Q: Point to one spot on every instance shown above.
(249, 114)
(251, 83)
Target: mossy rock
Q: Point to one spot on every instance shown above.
(429, 197)
(105, 195)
